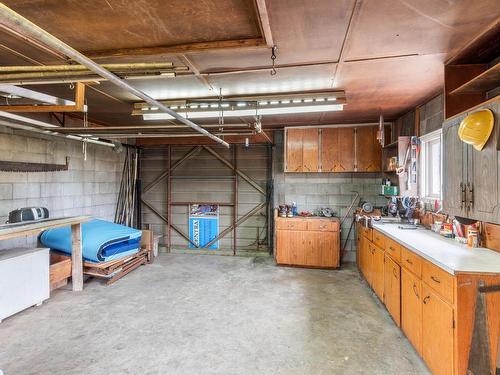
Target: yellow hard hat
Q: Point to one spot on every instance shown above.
(476, 128)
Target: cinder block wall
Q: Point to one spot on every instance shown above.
(89, 187)
(312, 191)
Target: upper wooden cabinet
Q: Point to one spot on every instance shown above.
(471, 181)
(302, 150)
(368, 150)
(337, 149)
(345, 149)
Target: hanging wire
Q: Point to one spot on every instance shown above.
(85, 125)
(273, 60)
(221, 112)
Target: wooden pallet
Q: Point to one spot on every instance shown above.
(115, 269)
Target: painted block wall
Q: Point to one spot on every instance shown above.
(89, 187)
(312, 191)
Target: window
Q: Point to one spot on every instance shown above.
(430, 166)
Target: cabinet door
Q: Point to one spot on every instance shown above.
(437, 332)
(454, 169)
(367, 260)
(290, 247)
(377, 270)
(293, 150)
(337, 150)
(368, 150)
(411, 308)
(483, 181)
(330, 249)
(310, 150)
(392, 289)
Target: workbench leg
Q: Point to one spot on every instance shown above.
(76, 257)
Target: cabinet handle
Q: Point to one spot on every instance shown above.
(436, 280)
(471, 194)
(415, 291)
(394, 273)
(391, 248)
(409, 261)
(463, 195)
(426, 299)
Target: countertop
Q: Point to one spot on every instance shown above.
(444, 252)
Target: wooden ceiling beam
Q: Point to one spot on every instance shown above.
(179, 49)
(265, 25)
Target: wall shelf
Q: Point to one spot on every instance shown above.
(485, 81)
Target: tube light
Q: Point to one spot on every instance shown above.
(248, 112)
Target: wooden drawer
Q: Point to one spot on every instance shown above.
(438, 279)
(291, 224)
(367, 232)
(322, 225)
(393, 249)
(379, 239)
(411, 261)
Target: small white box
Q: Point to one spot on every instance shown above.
(24, 279)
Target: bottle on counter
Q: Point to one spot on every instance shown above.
(472, 236)
(294, 209)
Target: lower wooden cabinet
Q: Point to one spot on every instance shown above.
(437, 332)
(392, 289)
(435, 309)
(311, 242)
(411, 308)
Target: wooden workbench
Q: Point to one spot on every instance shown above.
(33, 228)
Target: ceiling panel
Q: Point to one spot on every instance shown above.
(395, 27)
(97, 24)
(308, 30)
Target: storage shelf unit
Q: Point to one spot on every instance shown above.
(472, 74)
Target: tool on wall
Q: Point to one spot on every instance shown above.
(20, 166)
(273, 59)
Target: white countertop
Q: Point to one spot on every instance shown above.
(443, 252)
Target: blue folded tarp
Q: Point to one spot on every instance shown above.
(101, 240)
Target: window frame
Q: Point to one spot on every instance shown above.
(425, 176)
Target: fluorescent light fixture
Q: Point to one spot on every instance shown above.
(248, 112)
(241, 104)
(297, 100)
(308, 100)
(263, 103)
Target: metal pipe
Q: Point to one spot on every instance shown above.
(139, 128)
(165, 135)
(67, 67)
(54, 134)
(16, 22)
(83, 73)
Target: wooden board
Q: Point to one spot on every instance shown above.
(293, 150)
(491, 235)
(33, 228)
(337, 150)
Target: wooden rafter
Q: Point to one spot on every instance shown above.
(177, 49)
(265, 25)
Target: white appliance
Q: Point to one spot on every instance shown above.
(24, 279)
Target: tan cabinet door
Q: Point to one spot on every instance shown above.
(330, 249)
(437, 332)
(411, 308)
(368, 150)
(293, 150)
(310, 150)
(289, 245)
(392, 289)
(337, 150)
(377, 271)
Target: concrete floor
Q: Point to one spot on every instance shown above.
(195, 314)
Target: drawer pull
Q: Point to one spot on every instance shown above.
(435, 279)
(409, 261)
(426, 299)
(415, 291)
